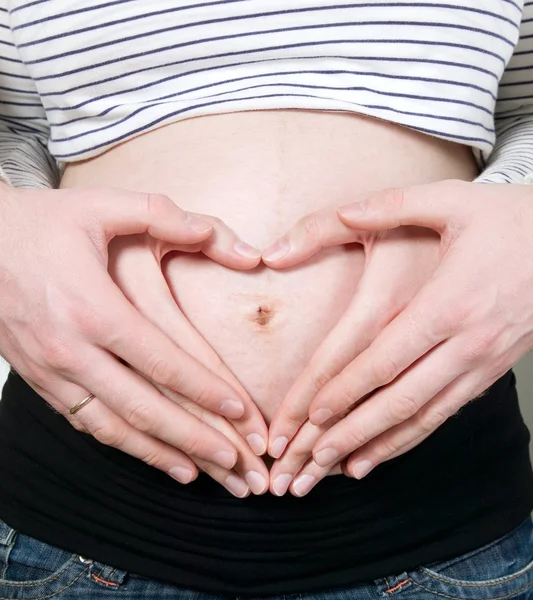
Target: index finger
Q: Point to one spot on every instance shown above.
(121, 329)
(426, 322)
(311, 234)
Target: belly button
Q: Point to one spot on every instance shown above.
(263, 315)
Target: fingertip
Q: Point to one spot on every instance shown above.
(232, 409)
(257, 443)
(276, 252)
(351, 212)
(320, 416)
(199, 226)
(277, 447)
(247, 251)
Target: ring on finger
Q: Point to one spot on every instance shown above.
(81, 404)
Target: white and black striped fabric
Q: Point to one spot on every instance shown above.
(78, 77)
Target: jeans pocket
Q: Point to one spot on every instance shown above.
(33, 570)
(500, 570)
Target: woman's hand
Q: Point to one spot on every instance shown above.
(470, 323)
(135, 266)
(398, 263)
(68, 329)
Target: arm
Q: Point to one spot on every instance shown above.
(24, 129)
(512, 158)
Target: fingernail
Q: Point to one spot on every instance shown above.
(320, 416)
(362, 469)
(181, 474)
(256, 443)
(277, 251)
(256, 482)
(237, 486)
(281, 483)
(225, 459)
(196, 224)
(246, 250)
(325, 457)
(352, 211)
(303, 484)
(233, 409)
(278, 447)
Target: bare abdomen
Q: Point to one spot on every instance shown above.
(260, 172)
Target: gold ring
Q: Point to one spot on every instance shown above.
(81, 404)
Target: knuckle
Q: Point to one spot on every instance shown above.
(140, 417)
(108, 434)
(388, 447)
(433, 419)
(299, 454)
(192, 445)
(383, 371)
(155, 204)
(346, 397)
(162, 372)
(87, 321)
(451, 314)
(356, 437)
(479, 346)
(402, 407)
(153, 458)
(60, 356)
(320, 378)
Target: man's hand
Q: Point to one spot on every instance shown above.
(397, 264)
(68, 329)
(470, 323)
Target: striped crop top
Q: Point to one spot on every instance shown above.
(77, 78)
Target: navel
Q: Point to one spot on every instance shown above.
(263, 315)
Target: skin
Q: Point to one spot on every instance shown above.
(258, 172)
(54, 324)
(439, 347)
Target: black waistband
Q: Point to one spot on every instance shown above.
(466, 485)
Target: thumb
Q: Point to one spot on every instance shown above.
(433, 206)
(122, 212)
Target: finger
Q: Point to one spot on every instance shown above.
(297, 454)
(367, 315)
(230, 480)
(316, 231)
(428, 320)
(434, 205)
(249, 467)
(120, 327)
(108, 428)
(168, 318)
(306, 480)
(224, 247)
(135, 400)
(122, 212)
(414, 431)
(393, 404)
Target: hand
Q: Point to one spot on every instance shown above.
(398, 263)
(135, 266)
(470, 323)
(68, 329)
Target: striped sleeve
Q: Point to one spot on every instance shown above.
(24, 131)
(511, 161)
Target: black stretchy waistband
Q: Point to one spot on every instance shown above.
(466, 485)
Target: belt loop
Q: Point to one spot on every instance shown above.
(7, 534)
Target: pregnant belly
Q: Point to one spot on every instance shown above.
(260, 172)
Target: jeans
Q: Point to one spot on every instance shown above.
(33, 570)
